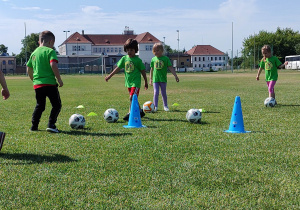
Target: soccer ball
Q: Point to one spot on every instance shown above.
(148, 107)
(77, 121)
(270, 102)
(194, 116)
(111, 115)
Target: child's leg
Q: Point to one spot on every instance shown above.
(163, 86)
(54, 97)
(40, 96)
(155, 93)
(271, 85)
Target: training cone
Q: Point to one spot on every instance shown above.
(135, 116)
(237, 122)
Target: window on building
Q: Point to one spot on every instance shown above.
(107, 50)
(3, 62)
(111, 49)
(195, 58)
(199, 65)
(212, 58)
(195, 65)
(95, 49)
(203, 58)
(216, 58)
(120, 49)
(99, 49)
(74, 48)
(220, 58)
(223, 58)
(10, 62)
(187, 60)
(203, 65)
(116, 49)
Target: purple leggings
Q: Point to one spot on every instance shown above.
(271, 85)
(163, 87)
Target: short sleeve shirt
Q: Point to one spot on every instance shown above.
(160, 68)
(132, 68)
(40, 61)
(270, 66)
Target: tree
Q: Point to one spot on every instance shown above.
(3, 48)
(297, 49)
(30, 43)
(282, 42)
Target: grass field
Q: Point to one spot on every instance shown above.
(171, 164)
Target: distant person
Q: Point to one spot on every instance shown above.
(158, 74)
(5, 95)
(270, 64)
(134, 68)
(43, 71)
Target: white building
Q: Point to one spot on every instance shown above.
(206, 57)
(107, 44)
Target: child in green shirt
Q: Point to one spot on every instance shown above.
(134, 68)
(43, 71)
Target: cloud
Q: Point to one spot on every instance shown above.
(27, 8)
(90, 9)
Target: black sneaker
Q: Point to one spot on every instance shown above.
(126, 118)
(2, 137)
(52, 129)
(34, 128)
(142, 113)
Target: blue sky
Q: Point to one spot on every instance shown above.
(198, 21)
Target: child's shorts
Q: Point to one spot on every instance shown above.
(134, 90)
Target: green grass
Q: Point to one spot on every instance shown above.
(171, 164)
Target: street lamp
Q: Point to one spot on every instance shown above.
(66, 40)
(164, 44)
(178, 52)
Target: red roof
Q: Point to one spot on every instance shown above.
(110, 39)
(204, 50)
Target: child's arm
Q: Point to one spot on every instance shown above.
(116, 70)
(56, 73)
(30, 72)
(4, 90)
(172, 70)
(258, 73)
(282, 66)
(151, 75)
(143, 72)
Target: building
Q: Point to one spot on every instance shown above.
(206, 57)
(109, 45)
(7, 63)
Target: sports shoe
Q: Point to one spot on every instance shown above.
(34, 128)
(52, 129)
(155, 109)
(126, 118)
(142, 113)
(2, 137)
(166, 108)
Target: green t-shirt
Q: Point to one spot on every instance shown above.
(160, 68)
(40, 62)
(132, 68)
(270, 67)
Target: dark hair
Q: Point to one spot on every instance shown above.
(46, 36)
(131, 44)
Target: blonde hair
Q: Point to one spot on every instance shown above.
(158, 46)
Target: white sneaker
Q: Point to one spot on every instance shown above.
(52, 130)
(155, 109)
(166, 108)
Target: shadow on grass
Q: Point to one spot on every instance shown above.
(83, 132)
(279, 105)
(35, 158)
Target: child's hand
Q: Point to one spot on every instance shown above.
(257, 78)
(146, 86)
(286, 63)
(151, 83)
(107, 78)
(60, 83)
(177, 79)
(5, 94)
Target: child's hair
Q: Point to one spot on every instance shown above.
(158, 46)
(131, 44)
(267, 47)
(46, 37)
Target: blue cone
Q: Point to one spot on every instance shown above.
(135, 116)
(237, 122)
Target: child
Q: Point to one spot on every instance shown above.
(270, 64)
(43, 71)
(158, 73)
(133, 67)
(5, 95)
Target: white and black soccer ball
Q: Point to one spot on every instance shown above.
(270, 102)
(77, 121)
(111, 115)
(194, 116)
(148, 107)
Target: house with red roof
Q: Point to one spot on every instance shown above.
(206, 57)
(110, 45)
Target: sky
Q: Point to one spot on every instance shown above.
(199, 22)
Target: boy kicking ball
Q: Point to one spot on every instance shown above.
(5, 95)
